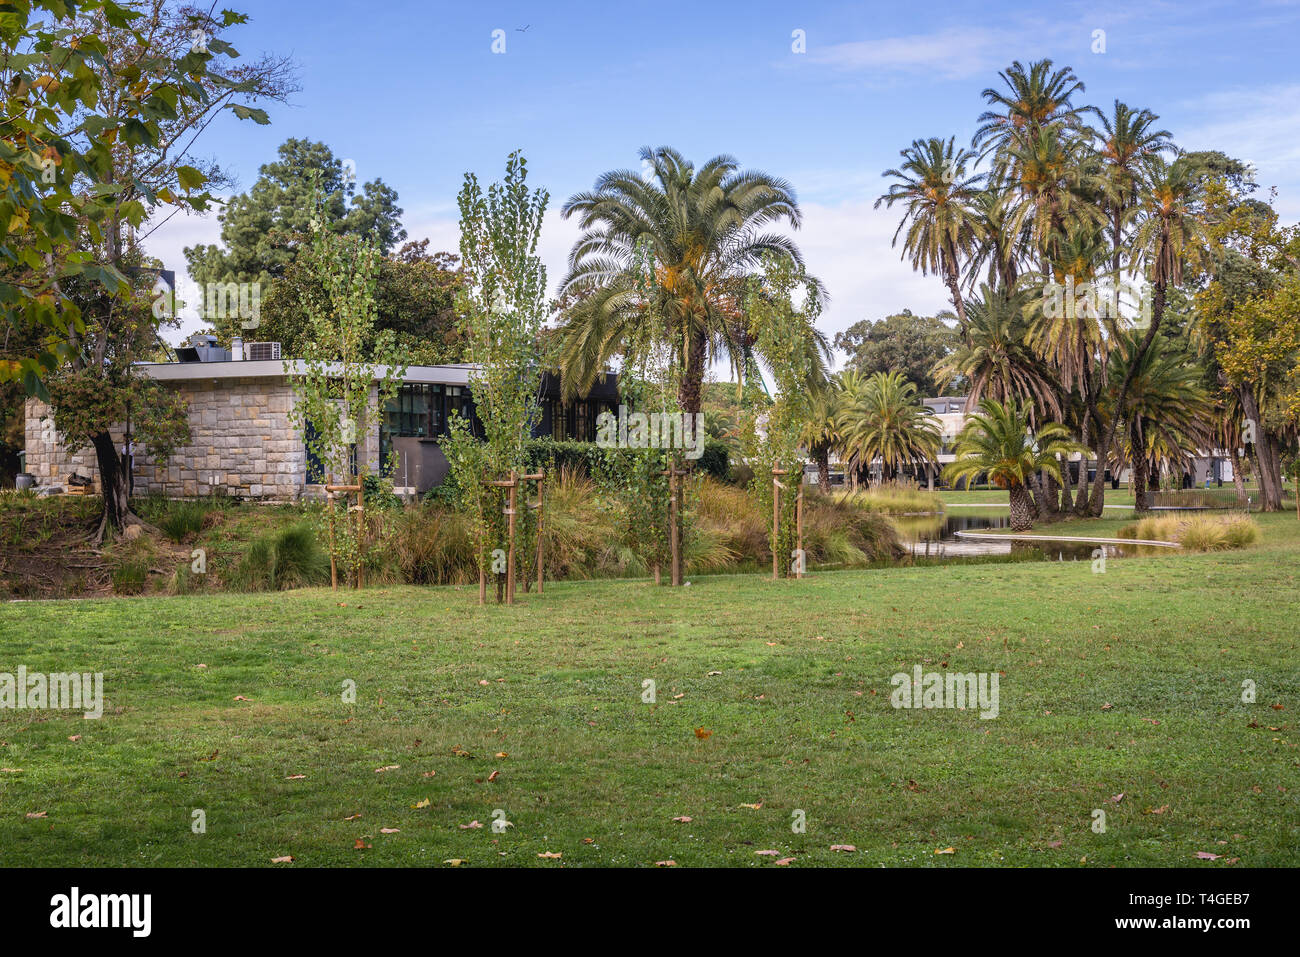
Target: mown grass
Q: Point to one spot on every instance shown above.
(1124, 683)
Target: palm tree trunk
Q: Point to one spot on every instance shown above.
(690, 392)
(824, 468)
(1022, 509)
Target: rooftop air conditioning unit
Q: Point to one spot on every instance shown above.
(262, 350)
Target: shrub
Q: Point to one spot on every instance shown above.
(894, 498)
(1200, 533)
(130, 577)
(182, 519)
(291, 558)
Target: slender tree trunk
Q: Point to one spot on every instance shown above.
(1238, 480)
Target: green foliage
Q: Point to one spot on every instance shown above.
(131, 576)
(70, 120)
(502, 306)
(183, 519)
(264, 229)
(290, 558)
(911, 345)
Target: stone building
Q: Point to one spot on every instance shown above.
(244, 443)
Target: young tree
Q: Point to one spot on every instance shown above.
(348, 372)
(503, 305)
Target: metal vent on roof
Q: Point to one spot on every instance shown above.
(262, 350)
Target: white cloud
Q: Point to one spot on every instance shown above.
(953, 52)
(1257, 124)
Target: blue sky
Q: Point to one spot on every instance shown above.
(412, 92)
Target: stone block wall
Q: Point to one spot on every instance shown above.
(242, 442)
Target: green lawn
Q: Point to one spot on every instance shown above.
(1124, 683)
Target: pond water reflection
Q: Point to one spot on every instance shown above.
(934, 535)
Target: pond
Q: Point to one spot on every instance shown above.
(934, 535)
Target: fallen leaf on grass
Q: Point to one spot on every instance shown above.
(387, 767)
(1117, 798)
(240, 697)
(712, 674)
(1157, 810)
(551, 855)
(768, 853)
(471, 826)
(502, 754)
(665, 863)
(493, 775)
(455, 861)
(11, 770)
(353, 817)
(753, 807)
(36, 814)
(74, 737)
(390, 830)
(946, 850)
(682, 820)
(784, 861)
(588, 840)
(1053, 844)
(461, 752)
(287, 859)
(846, 848)
(420, 804)
(702, 733)
(1207, 856)
(428, 774)
(295, 777)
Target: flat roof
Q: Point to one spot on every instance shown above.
(280, 368)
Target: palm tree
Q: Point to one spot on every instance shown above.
(997, 442)
(820, 434)
(940, 199)
(662, 262)
(997, 361)
(999, 250)
(886, 420)
(1168, 230)
(1168, 413)
(1054, 180)
(1128, 143)
(1035, 98)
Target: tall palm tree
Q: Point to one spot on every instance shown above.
(939, 197)
(997, 361)
(1127, 144)
(1168, 231)
(997, 442)
(1034, 98)
(1054, 179)
(886, 420)
(1000, 246)
(663, 260)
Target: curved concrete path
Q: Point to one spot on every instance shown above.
(1023, 537)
